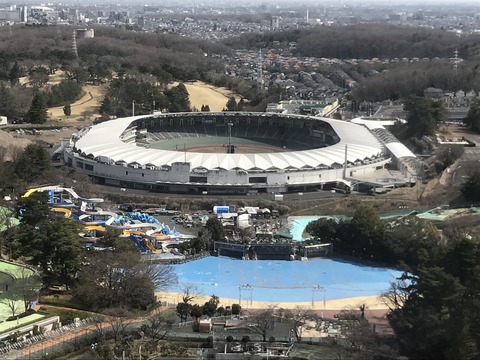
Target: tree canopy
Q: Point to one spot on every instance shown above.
(37, 114)
(33, 163)
(437, 316)
(471, 187)
(121, 279)
(423, 115)
(407, 240)
(472, 120)
(54, 246)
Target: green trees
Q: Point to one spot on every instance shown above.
(67, 91)
(186, 308)
(323, 228)
(424, 115)
(33, 163)
(123, 91)
(79, 74)
(412, 241)
(437, 317)
(215, 227)
(37, 114)
(38, 76)
(106, 107)
(366, 231)
(362, 236)
(231, 104)
(471, 187)
(8, 103)
(178, 100)
(408, 240)
(67, 110)
(14, 74)
(472, 120)
(210, 307)
(33, 210)
(183, 311)
(121, 279)
(53, 245)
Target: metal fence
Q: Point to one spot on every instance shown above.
(12, 350)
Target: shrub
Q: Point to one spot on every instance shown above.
(246, 339)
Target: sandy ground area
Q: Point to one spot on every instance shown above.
(371, 302)
(201, 93)
(86, 106)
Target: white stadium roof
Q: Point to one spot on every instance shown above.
(104, 140)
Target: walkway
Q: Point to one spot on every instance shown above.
(54, 344)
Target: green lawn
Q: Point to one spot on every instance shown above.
(8, 273)
(10, 325)
(14, 270)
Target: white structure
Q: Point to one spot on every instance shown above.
(333, 150)
(85, 33)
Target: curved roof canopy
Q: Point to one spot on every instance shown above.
(104, 140)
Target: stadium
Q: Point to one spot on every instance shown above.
(231, 152)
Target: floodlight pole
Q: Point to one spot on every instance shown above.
(229, 134)
(247, 287)
(318, 288)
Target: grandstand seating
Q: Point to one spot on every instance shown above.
(292, 137)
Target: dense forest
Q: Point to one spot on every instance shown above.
(434, 305)
(154, 59)
(163, 58)
(366, 41)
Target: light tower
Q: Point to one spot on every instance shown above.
(230, 147)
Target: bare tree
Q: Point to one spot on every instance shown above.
(189, 292)
(23, 287)
(7, 224)
(298, 317)
(12, 301)
(119, 319)
(263, 321)
(28, 284)
(158, 326)
(163, 276)
(100, 326)
(358, 332)
(396, 296)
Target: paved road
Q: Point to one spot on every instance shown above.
(307, 196)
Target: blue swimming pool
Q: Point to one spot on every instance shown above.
(287, 281)
(297, 224)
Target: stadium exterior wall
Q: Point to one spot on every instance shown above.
(180, 177)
